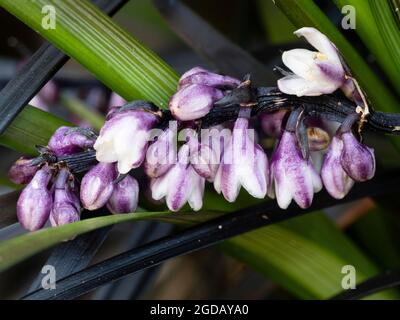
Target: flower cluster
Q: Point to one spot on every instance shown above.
(179, 158)
(51, 193)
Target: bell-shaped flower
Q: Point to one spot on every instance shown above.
(22, 171)
(314, 72)
(336, 181)
(125, 196)
(69, 140)
(357, 159)
(193, 101)
(124, 139)
(180, 185)
(293, 176)
(97, 185)
(66, 206)
(35, 202)
(244, 163)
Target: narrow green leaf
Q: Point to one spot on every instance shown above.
(93, 39)
(305, 13)
(77, 107)
(305, 255)
(31, 127)
(376, 25)
(21, 247)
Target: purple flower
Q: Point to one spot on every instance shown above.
(199, 75)
(357, 159)
(335, 179)
(22, 171)
(294, 177)
(161, 154)
(68, 140)
(244, 163)
(180, 184)
(315, 73)
(124, 139)
(66, 206)
(124, 198)
(193, 101)
(35, 202)
(97, 185)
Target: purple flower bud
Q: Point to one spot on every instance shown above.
(161, 154)
(204, 161)
(22, 171)
(335, 179)
(34, 203)
(97, 185)
(271, 122)
(124, 198)
(244, 163)
(66, 206)
(68, 140)
(180, 184)
(193, 101)
(49, 92)
(294, 177)
(357, 159)
(124, 139)
(201, 76)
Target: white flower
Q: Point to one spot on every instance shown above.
(314, 73)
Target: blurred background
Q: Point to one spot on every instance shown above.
(260, 28)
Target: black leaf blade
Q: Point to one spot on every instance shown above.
(199, 237)
(208, 42)
(38, 70)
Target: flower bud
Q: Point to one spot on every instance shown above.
(335, 179)
(125, 196)
(204, 77)
(69, 140)
(161, 154)
(35, 202)
(193, 101)
(97, 186)
(357, 159)
(66, 206)
(22, 171)
(124, 139)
